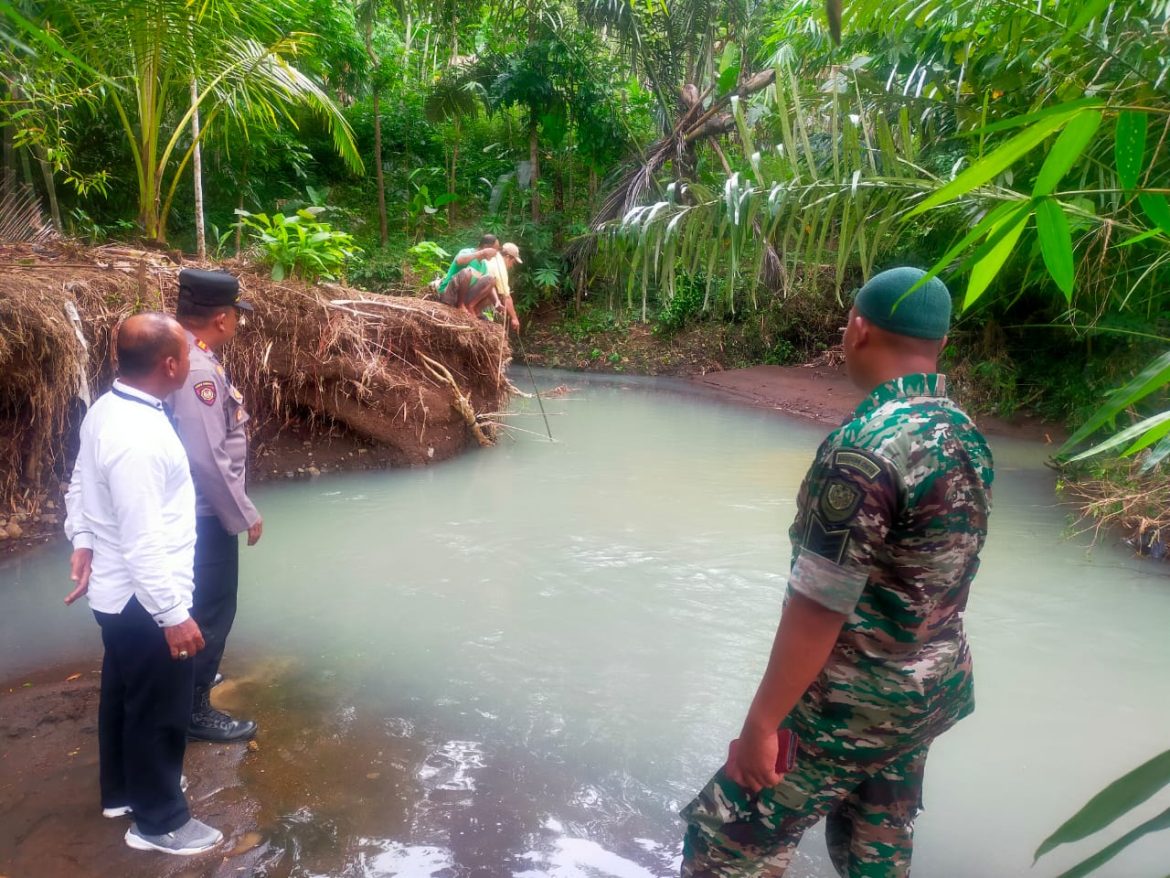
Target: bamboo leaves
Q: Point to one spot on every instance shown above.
(1156, 209)
(1109, 805)
(1066, 151)
(1129, 147)
(1001, 240)
(1077, 124)
(994, 164)
(1056, 244)
(1153, 377)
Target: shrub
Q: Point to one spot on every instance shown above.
(299, 245)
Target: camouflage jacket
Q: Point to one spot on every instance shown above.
(890, 521)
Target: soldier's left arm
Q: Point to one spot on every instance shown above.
(851, 505)
(853, 502)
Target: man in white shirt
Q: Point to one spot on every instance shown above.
(131, 519)
(497, 268)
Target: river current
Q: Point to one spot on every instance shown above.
(523, 662)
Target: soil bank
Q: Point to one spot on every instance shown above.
(825, 394)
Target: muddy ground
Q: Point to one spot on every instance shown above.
(824, 393)
(50, 817)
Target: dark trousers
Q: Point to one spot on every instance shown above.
(142, 720)
(217, 583)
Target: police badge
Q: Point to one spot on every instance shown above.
(206, 392)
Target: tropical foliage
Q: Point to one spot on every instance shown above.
(734, 151)
(158, 65)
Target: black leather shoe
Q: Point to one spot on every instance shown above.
(209, 724)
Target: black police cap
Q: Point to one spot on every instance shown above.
(210, 288)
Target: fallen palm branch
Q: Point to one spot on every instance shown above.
(631, 188)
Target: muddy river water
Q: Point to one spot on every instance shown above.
(524, 661)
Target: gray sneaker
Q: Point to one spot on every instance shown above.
(191, 838)
(125, 810)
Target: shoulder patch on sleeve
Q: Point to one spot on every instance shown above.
(839, 500)
(858, 462)
(206, 392)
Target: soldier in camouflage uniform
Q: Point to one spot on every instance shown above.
(870, 661)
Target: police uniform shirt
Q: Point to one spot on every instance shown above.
(212, 422)
(131, 501)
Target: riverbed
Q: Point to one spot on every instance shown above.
(524, 661)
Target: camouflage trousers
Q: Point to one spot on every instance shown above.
(869, 811)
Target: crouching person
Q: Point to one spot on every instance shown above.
(468, 285)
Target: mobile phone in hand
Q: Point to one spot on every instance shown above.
(786, 754)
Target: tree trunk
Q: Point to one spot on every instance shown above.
(50, 188)
(240, 206)
(197, 174)
(454, 165)
(558, 187)
(422, 70)
(26, 168)
(572, 159)
(9, 160)
(534, 160)
(383, 233)
(533, 144)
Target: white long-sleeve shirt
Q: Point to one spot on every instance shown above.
(131, 501)
(498, 269)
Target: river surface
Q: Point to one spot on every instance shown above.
(525, 661)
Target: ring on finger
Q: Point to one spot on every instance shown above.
(182, 653)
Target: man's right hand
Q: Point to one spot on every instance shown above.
(184, 639)
(255, 532)
(80, 566)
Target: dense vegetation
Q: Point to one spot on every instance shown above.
(679, 161)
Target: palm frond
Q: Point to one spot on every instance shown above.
(457, 92)
(22, 220)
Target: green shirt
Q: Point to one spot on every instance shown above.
(890, 522)
(478, 264)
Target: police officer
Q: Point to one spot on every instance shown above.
(212, 422)
(870, 661)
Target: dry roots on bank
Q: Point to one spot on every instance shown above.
(408, 374)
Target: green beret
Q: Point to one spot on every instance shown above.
(925, 313)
